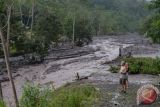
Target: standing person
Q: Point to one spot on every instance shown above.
(123, 77)
(127, 71)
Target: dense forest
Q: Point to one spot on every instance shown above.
(33, 26)
(35, 29)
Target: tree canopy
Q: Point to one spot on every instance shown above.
(75, 20)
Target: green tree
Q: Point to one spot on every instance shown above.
(152, 25)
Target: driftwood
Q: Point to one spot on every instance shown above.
(78, 77)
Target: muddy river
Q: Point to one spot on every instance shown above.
(90, 65)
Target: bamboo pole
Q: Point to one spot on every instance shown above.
(8, 68)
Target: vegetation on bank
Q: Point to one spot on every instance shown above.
(142, 65)
(68, 96)
(35, 26)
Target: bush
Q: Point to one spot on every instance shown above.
(33, 96)
(144, 65)
(69, 96)
(114, 69)
(141, 66)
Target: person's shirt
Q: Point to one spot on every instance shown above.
(127, 68)
(122, 72)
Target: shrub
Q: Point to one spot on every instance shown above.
(144, 65)
(33, 96)
(141, 65)
(114, 69)
(69, 96)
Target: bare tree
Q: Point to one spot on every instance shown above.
(6, 55)
(5, 45)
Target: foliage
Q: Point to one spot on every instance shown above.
(33, 96)
(82, 31)
(141, 65)
(152, 24)
(2, 104)
(144, 65)
(155, 4)
(74, 96)
(69, 96)
(47, 30)
(118, 16)
(53, 19)
(114, 69)
(153, 28)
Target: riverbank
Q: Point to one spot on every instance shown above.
(91, 65)
(110, 95)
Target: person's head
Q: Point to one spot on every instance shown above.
(123, 63)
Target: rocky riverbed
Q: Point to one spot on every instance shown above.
(91, 63)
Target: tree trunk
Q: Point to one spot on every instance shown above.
(8, 28)
(28, 17)
(99, 29)
(8, 68)
(33, 5)
(73, 36)
(20, 8)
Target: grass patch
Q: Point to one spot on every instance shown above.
(69, 96)
(74, 96)
(141, 65)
